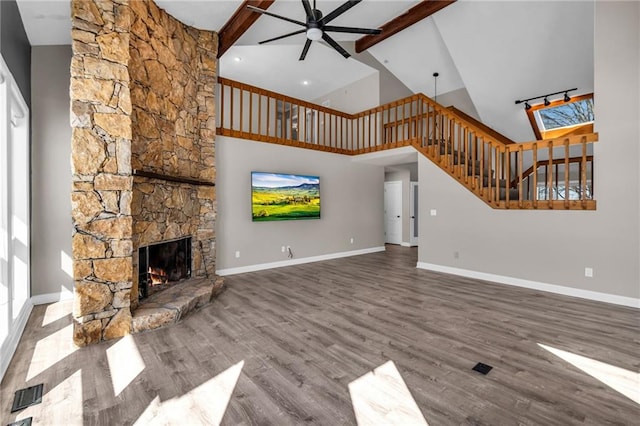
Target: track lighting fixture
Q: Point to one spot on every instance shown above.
(527, 106)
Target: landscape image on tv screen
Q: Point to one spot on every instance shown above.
(277, 196)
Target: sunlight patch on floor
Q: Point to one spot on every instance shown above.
(51, 350)
(382, 397)
(64, 404)
(125, 363)
(624, 381)
(205, 404)
(56, 311)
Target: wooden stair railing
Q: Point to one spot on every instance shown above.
(498, 171)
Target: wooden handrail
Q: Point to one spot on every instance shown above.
(555, 161)
(490, 165)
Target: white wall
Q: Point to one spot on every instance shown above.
(356, 97)
(460, 99)
(554, 247)
(51, 227)
(351, 205)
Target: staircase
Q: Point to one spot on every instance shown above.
(544, 174)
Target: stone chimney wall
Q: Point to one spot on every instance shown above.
(173, 77)
(111, 135)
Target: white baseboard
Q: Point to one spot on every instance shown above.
(535, 285)
(280, 264)
(405, 244)
(43, 299)
(15, 333)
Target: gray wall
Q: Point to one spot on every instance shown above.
(554, 247)
(15, 47)
(51, 172)
(352, 204)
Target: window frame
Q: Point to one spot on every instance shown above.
(578, 129)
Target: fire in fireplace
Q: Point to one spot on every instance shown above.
(162, 264)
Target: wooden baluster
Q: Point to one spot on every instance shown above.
(250, 112)
(231, 95)
(520, 177)
(222, 105)
(403, 121)
(583, 173)
(395, 122)
(499, 172)
(465, 150)
(491, 169)
(241, 110)
(535, 175)
(260, 114)
(507, 168)
(459, 149)
(481, 152)
(375, 130)
(550, 176)
(592, 181)
(474, 156)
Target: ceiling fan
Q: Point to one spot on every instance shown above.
(316, 27)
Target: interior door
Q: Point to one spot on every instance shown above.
(413, 230)
(393, 212)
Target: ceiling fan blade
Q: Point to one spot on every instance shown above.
(307, 9)
(352, 30)
(339, 11)
(305, 50)
(335, 45)
(256, 9)
(282, 36)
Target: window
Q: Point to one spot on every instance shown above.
(562, 118)
(14, 215)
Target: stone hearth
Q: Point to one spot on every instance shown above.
(142, 100)
(169, 306)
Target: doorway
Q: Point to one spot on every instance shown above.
(413, 219)
(393, 212)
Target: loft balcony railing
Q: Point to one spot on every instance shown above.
(544, 174)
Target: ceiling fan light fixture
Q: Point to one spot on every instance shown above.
(314, 34)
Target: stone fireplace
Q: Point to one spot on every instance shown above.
(143, 160)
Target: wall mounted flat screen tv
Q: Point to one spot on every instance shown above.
(278, 196)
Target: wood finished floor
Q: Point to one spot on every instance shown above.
(302, 334)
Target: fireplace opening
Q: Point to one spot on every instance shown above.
(162, 265)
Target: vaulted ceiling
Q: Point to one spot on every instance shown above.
(494, 51)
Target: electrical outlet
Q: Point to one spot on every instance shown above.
(433, 212)
(284, 249)
(351, 240)
(588, 272)
(237, 254)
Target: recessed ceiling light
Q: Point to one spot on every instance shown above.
(305, 82)
(237, 59)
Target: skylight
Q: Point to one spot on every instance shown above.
(561, 118)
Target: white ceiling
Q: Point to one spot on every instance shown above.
(499, 51)
(322, 71)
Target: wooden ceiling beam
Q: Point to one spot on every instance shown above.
(417, 13)
(239, 23)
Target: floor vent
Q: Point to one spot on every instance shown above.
(22, 422)
(482, 368)
(26, 397)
